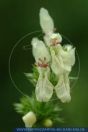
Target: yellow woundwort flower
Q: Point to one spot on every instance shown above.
(62, 62)
(62, 57)
(51, 55)
(47, 25)
(44, 88)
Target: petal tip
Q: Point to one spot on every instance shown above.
(43, 10)
(66, 99)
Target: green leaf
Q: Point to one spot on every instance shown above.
(42, 110)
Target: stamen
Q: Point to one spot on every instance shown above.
(42, 65)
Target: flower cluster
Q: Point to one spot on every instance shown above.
(52, 60)
(50, 55)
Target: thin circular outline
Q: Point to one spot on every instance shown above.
(13, 82)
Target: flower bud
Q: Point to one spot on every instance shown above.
(29, 119)
(48, 123)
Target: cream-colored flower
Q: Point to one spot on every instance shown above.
(63, 88)
(47, 25)
(44, 88)
(59, 58)
(29, 119)
(62, 57)
(67, 53)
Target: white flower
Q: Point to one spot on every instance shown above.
(47, 25)
(63, 88)
(62, 57)
(67, 54)
(44, 88)
(62, 61)
(29, 119)
(59, 58)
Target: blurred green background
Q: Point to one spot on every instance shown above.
(19, 17)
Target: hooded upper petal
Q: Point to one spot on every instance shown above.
(44, 88)
(46, 22)
(39, 50)
(67, 54)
